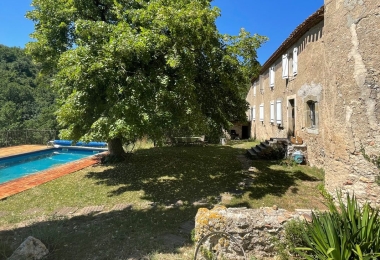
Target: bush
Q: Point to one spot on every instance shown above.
(294, 237)
(345, 232)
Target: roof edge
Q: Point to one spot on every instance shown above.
(300, 30)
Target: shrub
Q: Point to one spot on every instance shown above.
(294, 237)
(345, 232)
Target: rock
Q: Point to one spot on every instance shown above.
(306, 217)
(179, 203)
(253, 169)
(30, 249)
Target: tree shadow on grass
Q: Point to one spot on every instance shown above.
(124, 234)
(169, 174)
(191, 173)
(276, 182)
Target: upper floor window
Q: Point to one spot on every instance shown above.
(295, 61)
(285, 66)
(271, 77)
(254, 88)
(261, 83)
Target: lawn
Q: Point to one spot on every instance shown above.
(149, 202)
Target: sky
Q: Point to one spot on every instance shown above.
(275, 19)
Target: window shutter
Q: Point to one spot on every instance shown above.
(272, 111)
(261, 83)
(261, 112)
(253, 109)
(279, 112)
(295, 61)
(285, 66)
(271, 77)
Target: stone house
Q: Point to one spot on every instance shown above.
(321, 87)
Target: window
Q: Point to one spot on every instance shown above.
(285, 66)
(261, 112)
(271, 77)
(254, 88)
(279, 112)
(311, 115)
(261, 83)
(295, 61)
(272, 112)
(253, 113)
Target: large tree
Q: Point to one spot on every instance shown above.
(131, 68)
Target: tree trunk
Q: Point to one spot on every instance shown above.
(115, 147)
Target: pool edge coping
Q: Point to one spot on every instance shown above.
(13, 187)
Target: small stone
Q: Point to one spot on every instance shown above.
(348, 183)
(364, 179)
(179, 203)
(275, 207)
(281, 219)
(252, 169)
(306, 217)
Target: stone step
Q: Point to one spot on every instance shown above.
(251, 154)
(256, 149)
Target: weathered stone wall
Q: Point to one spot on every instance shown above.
(339, 69)
(254, 229)
(352, 121)
(310, 60)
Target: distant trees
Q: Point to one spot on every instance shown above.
(127, 69)
(26, 101)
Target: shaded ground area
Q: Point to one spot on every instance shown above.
(118, 234)
(145, 207)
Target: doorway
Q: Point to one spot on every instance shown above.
(244, 132)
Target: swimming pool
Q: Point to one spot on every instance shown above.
(14, 167)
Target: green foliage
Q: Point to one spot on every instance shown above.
(273, 153)
(25, 99)
(345, 232)
(294, 237)
(127, 69)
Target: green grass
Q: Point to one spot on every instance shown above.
(151, 180)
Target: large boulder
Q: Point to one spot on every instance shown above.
(30, 249)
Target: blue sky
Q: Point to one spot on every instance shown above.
(275, 19)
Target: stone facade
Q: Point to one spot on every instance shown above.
(332, 100)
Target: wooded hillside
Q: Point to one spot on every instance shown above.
(26, 102)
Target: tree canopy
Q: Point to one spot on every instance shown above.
(26, 101)
(124, 69)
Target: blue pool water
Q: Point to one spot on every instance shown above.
(14, 167)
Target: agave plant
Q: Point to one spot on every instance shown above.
(345, 232)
